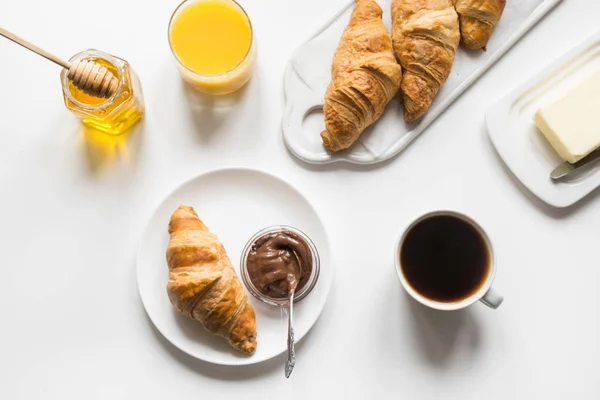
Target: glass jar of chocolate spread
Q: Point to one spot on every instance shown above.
(277, 259)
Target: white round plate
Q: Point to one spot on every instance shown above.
(234, 203)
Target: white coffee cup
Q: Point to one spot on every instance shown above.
(485, 293)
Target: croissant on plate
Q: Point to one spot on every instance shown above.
(477, 20)
(364, 77)
(425, 34)
(202, 282)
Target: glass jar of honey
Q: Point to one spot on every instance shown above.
(115, 114)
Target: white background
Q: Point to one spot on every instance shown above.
(72, 210)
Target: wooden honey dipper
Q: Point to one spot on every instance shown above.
(89, 77)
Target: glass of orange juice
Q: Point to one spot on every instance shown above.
(213, 44)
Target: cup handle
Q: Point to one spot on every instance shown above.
(492, 299)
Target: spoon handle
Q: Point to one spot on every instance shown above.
(291, 353)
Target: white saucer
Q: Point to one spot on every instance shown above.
(234, 203)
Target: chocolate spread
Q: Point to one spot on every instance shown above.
(277, 262)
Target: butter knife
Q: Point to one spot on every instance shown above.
(566, 168)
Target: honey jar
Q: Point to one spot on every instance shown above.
(113, 115)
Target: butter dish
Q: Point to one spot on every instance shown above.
(524, 149)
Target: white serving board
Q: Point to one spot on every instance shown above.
(308, 73)
(523, 148)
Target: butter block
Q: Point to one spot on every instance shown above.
(572, 124)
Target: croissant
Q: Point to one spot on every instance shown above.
(203, 284)
(365, 77)
(425, 34)
(477, 20)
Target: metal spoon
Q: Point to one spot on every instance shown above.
(291, 351)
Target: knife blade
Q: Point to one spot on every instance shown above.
(567, 168)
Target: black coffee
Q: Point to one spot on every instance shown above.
(445, 259)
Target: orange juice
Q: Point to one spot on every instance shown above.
(212, 42)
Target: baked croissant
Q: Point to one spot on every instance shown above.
(477, 20)
(364, 77)
(425, 35)
(203, 284)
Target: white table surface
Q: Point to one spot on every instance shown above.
(72, 323)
